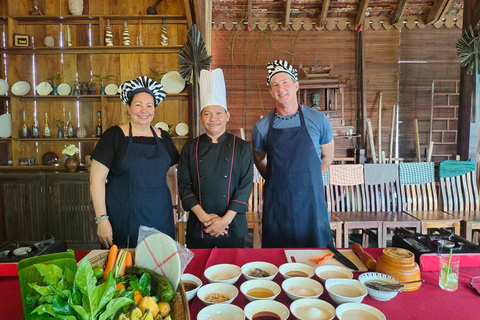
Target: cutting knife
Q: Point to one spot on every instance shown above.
(341, 258)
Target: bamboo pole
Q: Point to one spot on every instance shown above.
(417, 141)
(380, 127)
(392, 131)
(371, 139)
(429, 151)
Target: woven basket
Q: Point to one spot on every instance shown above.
(179, 304)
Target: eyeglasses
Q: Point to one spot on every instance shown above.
(475, 284)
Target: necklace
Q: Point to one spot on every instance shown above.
(286, 118)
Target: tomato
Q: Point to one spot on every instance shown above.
(98, 272)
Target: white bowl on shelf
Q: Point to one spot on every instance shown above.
(276, 307)
(226, 289)
(111, 89)
(352, 290)
(173, 82)
(380, 277)
(301, 288)
(64, 89)
(355, 308)
(44, 88)
(260, 284)
(21, 88)
(181, 129)
(295, 266)
(223, 273)
(328, 272)
(187, 277)
(221, 311)
(304, 309)
(271, 269)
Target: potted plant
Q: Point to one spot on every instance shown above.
(54, 83)
(72, 163)
(157, 76)
(102, 81)
(59, 124)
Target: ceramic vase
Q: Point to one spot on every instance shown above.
(71, 164)
(75, 7)
(60, 132)
(55, 91)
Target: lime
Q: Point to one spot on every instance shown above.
(98, 272)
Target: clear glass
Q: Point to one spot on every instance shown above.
(448, 279)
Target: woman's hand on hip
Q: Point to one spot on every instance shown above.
(105, 233)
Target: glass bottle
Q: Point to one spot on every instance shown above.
(35, 131)
(126, 34)
(98, 129)
(69, 132)
(46, 129)
(140, 39)
(24, 132)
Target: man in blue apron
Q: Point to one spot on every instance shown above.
(215, 174)
(293, 145)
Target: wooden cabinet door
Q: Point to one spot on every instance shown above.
(70, 209)
(22, 206)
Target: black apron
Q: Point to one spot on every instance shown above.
(294, 212)
(138, 193)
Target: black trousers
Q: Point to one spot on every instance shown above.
(221, 242)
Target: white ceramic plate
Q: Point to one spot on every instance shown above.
(111, 89)
(44, 89)
(173, 82)
(3, 87)
(21, 88)
(64, 89)
(181, 129)
(162, 125)
(158, 252)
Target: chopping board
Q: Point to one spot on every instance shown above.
(303, 256)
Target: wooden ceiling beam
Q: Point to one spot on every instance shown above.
(249, 10)
(287, 13)
(436, 11)
(398, 14)
(323, 15)
(361, 12)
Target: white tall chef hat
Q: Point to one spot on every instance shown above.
(212, 89)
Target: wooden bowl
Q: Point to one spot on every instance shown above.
(179, 304)
(400, 263)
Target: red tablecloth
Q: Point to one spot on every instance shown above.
(430, 302)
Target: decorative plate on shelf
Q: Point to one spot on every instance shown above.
(3, 87)
(6, 125)
(162, 125)
(49, 158)
(64, 89)
(44, 89)
(173, 82)
(181, 129)
(111, 89)
(21, 88)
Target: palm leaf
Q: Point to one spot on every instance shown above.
(193, 56)
(466, 48)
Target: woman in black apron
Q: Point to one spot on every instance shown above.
(135, 159)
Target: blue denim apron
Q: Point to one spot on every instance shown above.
(294, 212)
(138, 193)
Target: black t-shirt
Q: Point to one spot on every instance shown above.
(113, 144)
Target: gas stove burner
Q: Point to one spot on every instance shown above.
(15, 251)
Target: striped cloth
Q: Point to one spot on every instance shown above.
(346, 174)
(453, 168)
(380, 173)
(416, 173)
(326, 178)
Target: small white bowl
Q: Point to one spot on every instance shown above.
(265, 266)
(260, 283)
(255, 307)
(221, 311)
(295, 266)
(298, 308)
(223, 273)
(380, 277)
(228, 290)
(321, 273)
(299, 284)
(187, 277)
(356, 307)
(338, 298)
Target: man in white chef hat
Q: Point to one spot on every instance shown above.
(215, 174)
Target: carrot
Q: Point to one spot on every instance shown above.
(128, 261)
(120, 286)
(112, 258)
(366, 258)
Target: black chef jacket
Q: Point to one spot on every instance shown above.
(218, 177)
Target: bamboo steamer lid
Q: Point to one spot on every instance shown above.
(400, 263)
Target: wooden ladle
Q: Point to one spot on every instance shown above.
(152, 9)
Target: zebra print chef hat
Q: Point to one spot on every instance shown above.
(141, 84)
(281, 66)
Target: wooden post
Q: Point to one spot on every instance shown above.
(392, 131)
(371, 139)
(417, 141)
(380, 128)
(429, 151)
